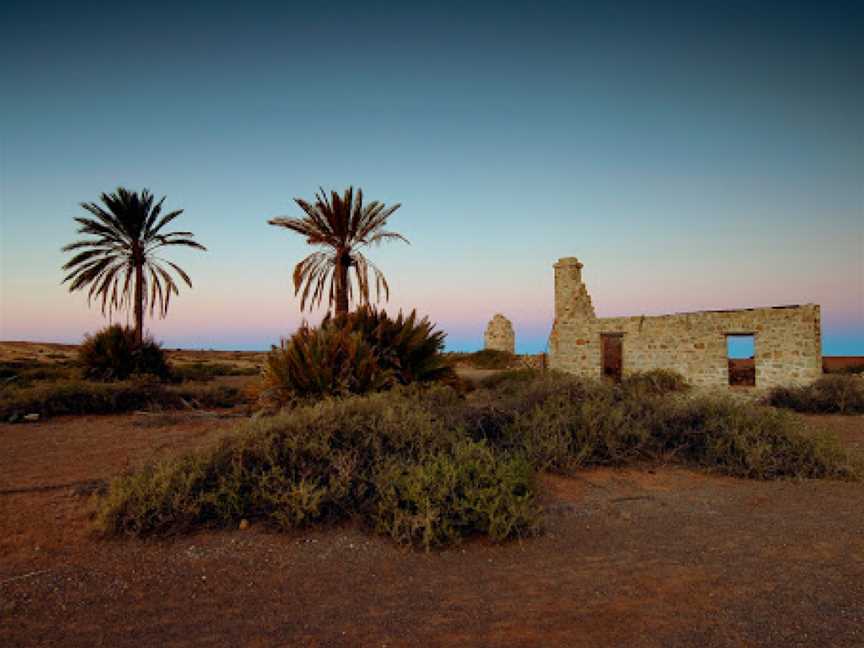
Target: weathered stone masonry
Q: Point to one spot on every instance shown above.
(787, 338)
(499, 335)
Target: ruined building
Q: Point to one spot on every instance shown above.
(499, 335)
(786, 339)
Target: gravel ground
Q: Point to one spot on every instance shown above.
(647, 556)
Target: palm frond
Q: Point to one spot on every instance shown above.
(342, 224)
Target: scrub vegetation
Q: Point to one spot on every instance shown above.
(840, 393)
(76, 396)
(426, 466)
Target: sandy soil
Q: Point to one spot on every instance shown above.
(655, 556)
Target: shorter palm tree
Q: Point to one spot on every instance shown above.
(120, 264)
(342, 225)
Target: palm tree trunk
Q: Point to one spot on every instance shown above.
(139, 302)
(341, 285)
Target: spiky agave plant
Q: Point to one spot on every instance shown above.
(329, 360)
(342, 226)
(356, 353)
(408, 346)
(120, 263)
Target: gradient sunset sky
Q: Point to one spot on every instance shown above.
(693, 156)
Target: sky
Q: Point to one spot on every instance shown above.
(699, 155)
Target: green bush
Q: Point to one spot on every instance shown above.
(114, 354)
(754, 442)
(466, 489)
(331, 461)
(561, 422)
(831, 394)
(83, 397)
(357, 353)
(596, 427)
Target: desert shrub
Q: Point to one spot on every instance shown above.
(329, 461)
(748, 441)
(114, 354)
(525, 389)
(562, 424)
(465, 490)
(830, 394)
(654, 383)
(598, 426)
(84, 397)
(357, 353)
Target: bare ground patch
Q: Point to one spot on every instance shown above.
(647, 556)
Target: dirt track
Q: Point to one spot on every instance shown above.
(639, 557)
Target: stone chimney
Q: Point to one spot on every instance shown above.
(571, 296)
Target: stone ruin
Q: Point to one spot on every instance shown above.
(786, 339)
(499, 335)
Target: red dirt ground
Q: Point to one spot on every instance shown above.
(658, 556)
(838, 363)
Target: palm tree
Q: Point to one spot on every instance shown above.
(120, 265)
(342, 226)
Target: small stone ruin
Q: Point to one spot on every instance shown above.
(499, 335)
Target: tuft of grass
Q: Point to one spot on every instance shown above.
(830, 394)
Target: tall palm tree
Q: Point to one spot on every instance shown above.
(341, 226)
(120, 264)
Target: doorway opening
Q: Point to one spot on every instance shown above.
(612, 350)
(741, 358)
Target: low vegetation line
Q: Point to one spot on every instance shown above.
(428, 467)
(86, 397)
(831, 394)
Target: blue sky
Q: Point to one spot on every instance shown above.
(692, 155)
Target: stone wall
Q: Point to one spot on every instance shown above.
(499, 334)
(787, 338)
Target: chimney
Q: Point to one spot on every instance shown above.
(571, 296)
